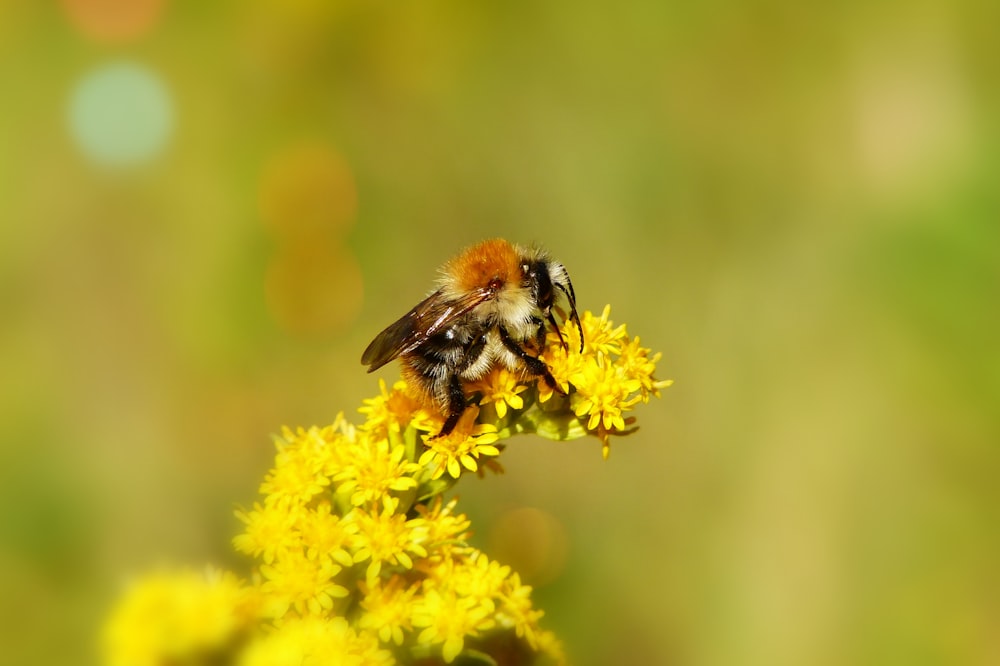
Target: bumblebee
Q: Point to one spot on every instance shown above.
(492, 306)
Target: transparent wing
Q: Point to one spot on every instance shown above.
(412, 329)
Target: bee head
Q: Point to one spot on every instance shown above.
(536, 278)
(543, 275)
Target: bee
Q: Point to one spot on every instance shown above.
(492, 306)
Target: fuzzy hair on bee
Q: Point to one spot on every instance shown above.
(493, 306)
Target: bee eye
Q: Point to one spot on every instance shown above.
(525, 267)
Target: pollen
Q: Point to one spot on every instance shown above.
(491, 261)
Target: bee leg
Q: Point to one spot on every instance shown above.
(535, 366)
(456, 405)
(457, 400)
(539, 333)
(555, 327)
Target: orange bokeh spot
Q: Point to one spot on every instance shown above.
(307, 189)
(113, 21)
(313, 286)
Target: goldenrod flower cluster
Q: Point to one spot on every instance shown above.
(360, 559)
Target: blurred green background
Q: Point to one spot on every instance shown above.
(208, 209)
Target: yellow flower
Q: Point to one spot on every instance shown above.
(461, 448)
(472, 575)
(374, 470)
(296, 581)
(325, 534)
(637, 363)
(562, 363)
(441, 525)
(378, 416)
(475, 575)
(391, 412)
(600, 337)
(300, 466)
(339, 497)
(484, 595)
(268, 531)
(386, 537)
(181, 617)
(603, 393)
(447, 619)
(612, 374)
(516, 610)
(500, 388)
(550, 646)
(387, 607)
(312, 640)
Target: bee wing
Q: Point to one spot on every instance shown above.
(412, 329)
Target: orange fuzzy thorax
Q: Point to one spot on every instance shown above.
(477, 266)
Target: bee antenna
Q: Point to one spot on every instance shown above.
(571, 297)
(552, 320)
